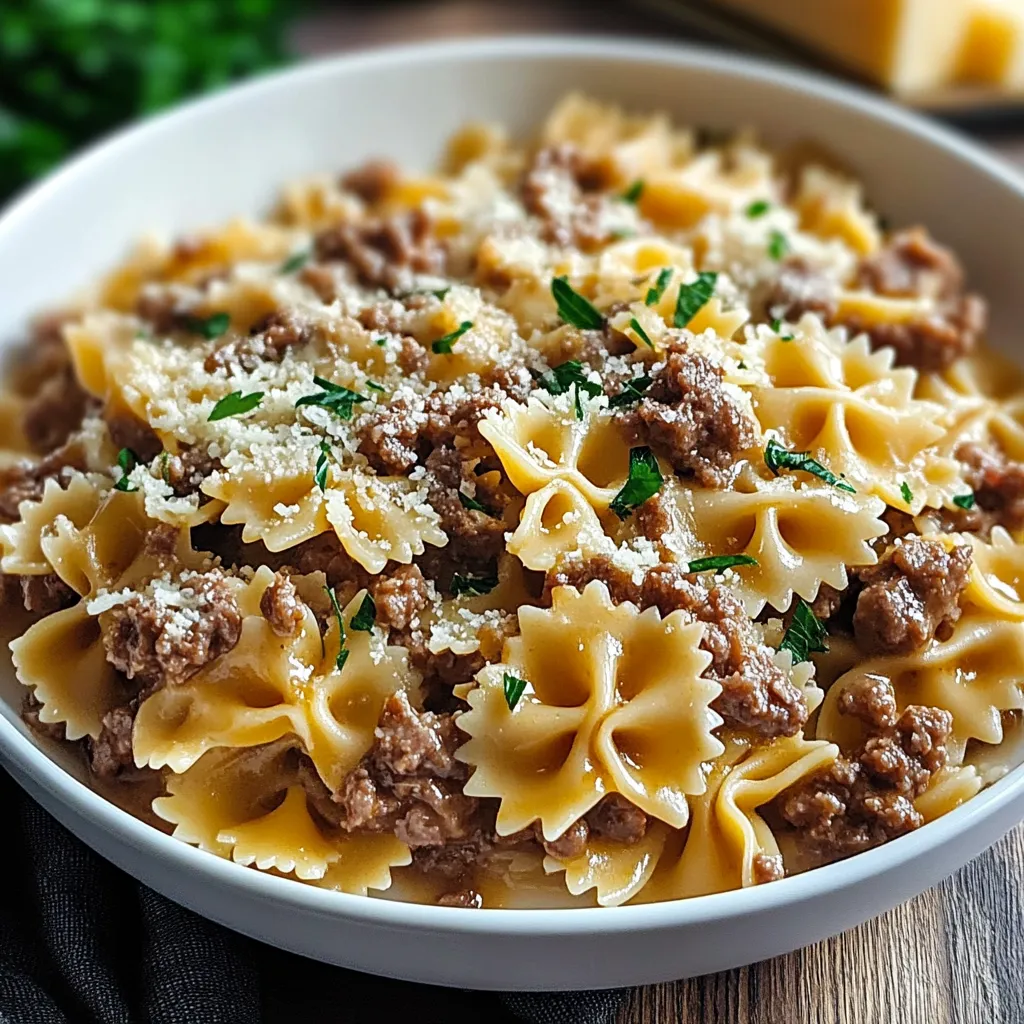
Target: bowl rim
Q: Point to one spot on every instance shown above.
(32, 760)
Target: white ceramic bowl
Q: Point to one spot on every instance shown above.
(227, 155)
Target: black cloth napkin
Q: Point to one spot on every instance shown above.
(83, 943)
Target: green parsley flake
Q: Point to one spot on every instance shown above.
(644, 482)
(655, 292)
(333, 397)
(320, 472)
(640, 332)
(634, 192)
(964, 501)
(469, 585)
(235, 404)
(906, 492)
(165, 472)
(692, 297)
(805, 636)
(127, 460)
(716, 563)
(776, 457)
(342, 649)
(373, 386)
(294, 262)
(632, 391)
(778, 245)
(570, 374)
(380, 341)
(363, 620)
(209, 327)
(443, 346)
(573, 308)
(758, 208)
(514, 689)
(475, 506)
(776, 325)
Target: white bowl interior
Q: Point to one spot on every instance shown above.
(229, 155)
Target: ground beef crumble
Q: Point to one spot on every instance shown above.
(688, 415)
(997, 482)
(268, 342)
(282, 607)
(25, 480)
(867, 797)
(40, 595)
(911, 595)
(757, 694)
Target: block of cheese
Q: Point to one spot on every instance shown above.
(992, 51)
(908, 45)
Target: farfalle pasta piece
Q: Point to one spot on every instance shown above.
(832, 206)
(996, 584)
(225, 804)
(976, 675)
(540, 442)
(614, 702)
(21, 549)
(854, 412)
(727, 835)
(800, 537)
(949, 788)
(615, 871)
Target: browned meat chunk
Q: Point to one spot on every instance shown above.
(386, 253)
(372, 181)
(688, 416)
(128, 431)
(866, 799)
(911, 595)
(756, 694)
(561, 188)
(268, 342)
(461, 898)
(571, 843)
(617, 819)
(801, 289)
(38, 594)
(997, 481)
(163, 645)
(112, 751)
(871, 700)
(282, 607)
(30, 709)
(400, 597)
(768, 868)
(24, 481)
(186, 471)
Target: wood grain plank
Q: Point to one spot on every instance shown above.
(950, 956)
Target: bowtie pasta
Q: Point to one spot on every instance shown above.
(612, 517)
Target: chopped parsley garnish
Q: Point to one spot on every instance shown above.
(320, 472)
(165, 473)
(475, 506)
(778, 245)
(964, 501)
(209, 327)
(806, 634)
(776, 325)
(716, 563)
(570, 374)
(343, 651)
(373, 386)
(776, 457)
(619, 233)
(127, 460)
(785, 337)
(514, 689)
(440, 293)
(758, 208)
(380, 341)
(235, 404)
(573, 308)
(655, 292)
(294, 262)
(333, 397)
(443, 346)
(364, 619)
(634, 192)
(644, 482)
(632, 391)
(469, 585)
(692, 297)
(640, 332)
(906, 492)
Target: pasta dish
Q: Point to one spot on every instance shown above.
(621, 516)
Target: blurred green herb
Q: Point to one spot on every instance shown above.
(73, 69)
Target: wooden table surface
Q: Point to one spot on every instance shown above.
(953, 955)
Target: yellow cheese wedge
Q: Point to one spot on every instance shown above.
(992, 51)
(909, 45)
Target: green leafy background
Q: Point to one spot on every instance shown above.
(73, 69)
